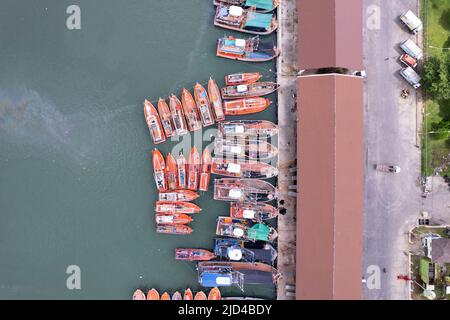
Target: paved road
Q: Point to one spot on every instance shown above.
(392, 201)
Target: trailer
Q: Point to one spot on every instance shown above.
(412, 49)
(412, 22)
(411, 76)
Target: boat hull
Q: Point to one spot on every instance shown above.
(178, 195)
(245, 106)
(243, 169)
(177, 207)
(172, 218)
(174, 229)
(194, 255)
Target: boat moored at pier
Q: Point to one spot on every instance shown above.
(262, 6)
(235, 79)
(194, 254)
(248, 128)
(243, 230)
(194, 169)
(176, 109)
(182, 171)
(250, 50)
(178, 195)
(244, 251)
(243, 190)
(179, 229)
(139, 295)
(245, 106)
(203, 105)
(243, 169)
(172, 218)
(154, 123)
(190, 111)
(256, 89)
(166, 118)
(159, 170)
(205, 170)
(253, 211)
(177, 207)
(216, 100)
(171, 172)
(244, 149)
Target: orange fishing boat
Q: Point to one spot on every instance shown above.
(139, 295)
(243, 169)
(172, 218)
(242, 78)
(179, 229)
(248, 128)
(181, 168)
(200, 296)
(203, 105)
(253, 211)
(159, 169)
(257, 89)
(153, 122)
(171, 172)
(165, 296)
(194, 254)
(177, 207)
(166, 118)
(177, 296)
(193, 169)
(188, 295)
(190, 111)
(214, 294)
(216, 100)
(176, 109)
(152, 294)
(178, 195)
(246, 106)
(205, 170)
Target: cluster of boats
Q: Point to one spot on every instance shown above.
(153, 294)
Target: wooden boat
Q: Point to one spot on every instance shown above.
(244, 149)
(242, 78)
(190, 111)
(243, 230)
(171, 172)
(177, 296)
(178, 195)
(205, 170)
(166, 118)
(244, 251)
(152, 294)
(203, 105)
(177, 207)
(188, 295)
(139, 295)
(216, 100)
(251, 50)
(172, 218)
(260, 6)
(200, 296)
(159, 169)
(194, 254)
(256, 89)
(243, 169)
(245, 106)
(193, 169)
(243, 190)
(214, 294)
(153, 123)
(248, 128)
(182, 171)
(165, 296)
(174, 229)
(253, 211)
(244, 20)
(176, 109)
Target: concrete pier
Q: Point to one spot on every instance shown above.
(287, 143)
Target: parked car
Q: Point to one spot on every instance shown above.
(408, 61)
(411, 48)
(411, 76)
(412, 22)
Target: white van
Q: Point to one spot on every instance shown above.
(412, 22)
(411, 76)
(412, 49)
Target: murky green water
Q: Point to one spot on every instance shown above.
(76, 185)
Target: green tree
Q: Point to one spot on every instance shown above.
(436, 76)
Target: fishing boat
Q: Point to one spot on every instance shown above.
(193, 169)
(243, 169)
(253, 211)
(188, 295)
(178, 195)
(153, 123)
(172, 218)
(159, 169)
(200, 296)
(177, 207)
(176, 109)
(182, 172)
(171, 172)
(190, 111)
(248, 128)
(244, 251)
(241, 298)
(243, 190)
(139, 295)
(205, 170)
(177, 296)
(216, 100)
(166, 118)
(180, 229)
(194, 254)
(242, 78)
(152, 294)
(214, 294)
(243, 230)
(256, 89)
(244, 20)
(245, 106)
(250, 50)
(203, 105)
(244, 149)
(165, 296)
(260, 5)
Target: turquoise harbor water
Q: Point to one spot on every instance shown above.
(76, 184)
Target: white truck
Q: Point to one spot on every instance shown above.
(412, 49)
(411, 76)
(412, 22)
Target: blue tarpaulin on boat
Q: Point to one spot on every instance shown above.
(259, 20)
(260, 4)
(216, 280)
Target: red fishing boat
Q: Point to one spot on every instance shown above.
(165, 296)
(153, 123)
(179, 229)
(243, 169)
(177, 207)
(152, 294)
(193, 169)
(171, 172)
(256, 89)
(166, 118)
(248, 128)
(214, 294)
(172, 218)
(190, 111)
(253, 211)
(246, 106)
(176, 109)
(182, 175)
(139, 295)
(178, 195)
(188, 295)
(205, 170)
(159, 169)
(200, 296)
(203, 105)
(216, 100)
(194, 254)
(242, 78)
